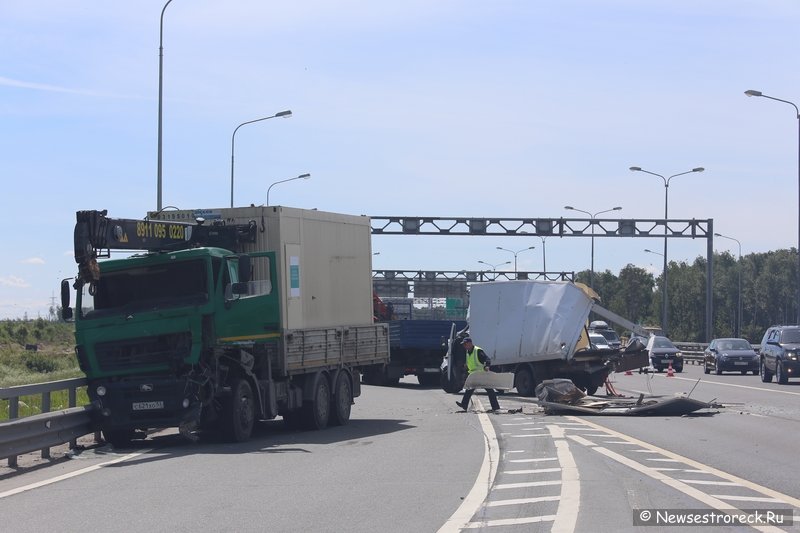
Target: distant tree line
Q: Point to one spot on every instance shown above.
(768, 281)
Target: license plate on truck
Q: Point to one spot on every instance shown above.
(146, 406)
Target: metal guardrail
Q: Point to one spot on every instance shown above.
(40, 432)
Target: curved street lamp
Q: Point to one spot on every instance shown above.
(494, 267)
(751, 92)
(287, 114)
(739, 294)
(160, 95)
(300, 177)
(592, 216)
(515, 253)
(664, 316)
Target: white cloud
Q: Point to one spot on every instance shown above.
(14, 281)
(33, 261)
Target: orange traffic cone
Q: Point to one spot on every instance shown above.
(670, 372)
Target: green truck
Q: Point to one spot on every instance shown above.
(225, 317)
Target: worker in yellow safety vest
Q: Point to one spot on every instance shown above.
(477, 361)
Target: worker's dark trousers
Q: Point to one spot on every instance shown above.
(492, 398)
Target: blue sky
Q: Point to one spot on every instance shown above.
(446, 108)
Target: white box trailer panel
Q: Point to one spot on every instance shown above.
(324, 260)
(525, 321)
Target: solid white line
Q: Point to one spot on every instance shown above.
(795, 502)
(745, 498)
(532, 471)
(71, 474)
(480, 490)
(570, 501)
(643, 451)
(527, 484)
(510, 521)
(739, 386)
(521, 501)
(533, 460)
(710, 482)
(516, 451)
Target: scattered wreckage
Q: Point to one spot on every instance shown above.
(561, 396)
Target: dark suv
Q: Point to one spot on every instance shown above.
(779, 353)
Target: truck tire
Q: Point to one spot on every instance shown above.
(238, 415)
(591, 389)
(524, 381)
(118, 438)
(317, 412)
(428, 380)
(341, 401)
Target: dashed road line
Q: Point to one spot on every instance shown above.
(511, 522)
(746, 498)
(790, 500)
(532, 471)
(527, 484)
(710, 482)
(522, 501)
(538, 460)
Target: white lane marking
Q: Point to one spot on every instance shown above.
(69, 475)
(510, 521)
(681, 470)
(739, 386)
(527, 484)
(581, 440)
(795, 502)
(676, 484)
(480, 490)
(521, 501)
(643, 451)
(532, 471)
(532, 429)
(745, 498)
(616, 442)
(516, 451)
(710, 482)
(533, 460)
(570, 501)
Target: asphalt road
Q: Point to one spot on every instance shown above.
(408, 461)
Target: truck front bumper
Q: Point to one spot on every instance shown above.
(144, 403)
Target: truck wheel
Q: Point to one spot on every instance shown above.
(238, 416)
(428, 380)
(342, 401)
(317, 412)
(591, 389)
(524, 382)
(118, 438)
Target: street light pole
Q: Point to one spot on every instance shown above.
(286, 114)
(739, 296)
(592, 217)
(494, 267)
(664, 315)
(797, 114)
(300, 177)
(160, 98)
(515, 254)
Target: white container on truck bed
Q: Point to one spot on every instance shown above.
(527, 320)
(324, 260)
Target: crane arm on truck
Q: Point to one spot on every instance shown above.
(96, 234)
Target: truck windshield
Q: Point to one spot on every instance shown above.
(151, 287)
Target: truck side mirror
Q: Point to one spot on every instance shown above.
(66, 310)
(244, 268)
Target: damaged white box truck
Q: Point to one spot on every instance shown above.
(538, 330)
